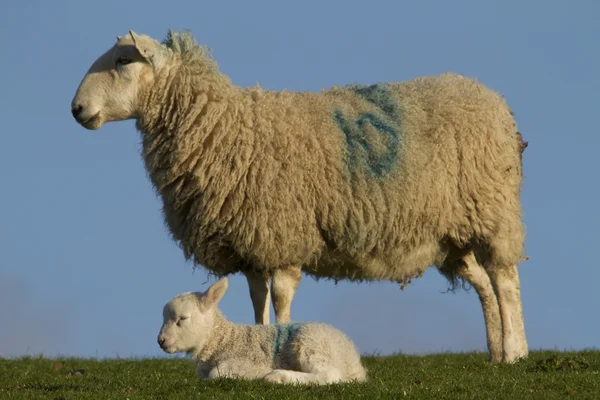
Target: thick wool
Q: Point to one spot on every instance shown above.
(358, 182)
(291, 353)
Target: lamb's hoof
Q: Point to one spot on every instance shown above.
(277, 376)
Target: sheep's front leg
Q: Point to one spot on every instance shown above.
(508, 290)
(476, 275)
(285, 283)
(258, 284)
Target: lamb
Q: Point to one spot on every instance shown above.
(362, 182)
(291, 353)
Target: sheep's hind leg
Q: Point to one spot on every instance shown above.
(476, 275)
(285, 283)
(259, 293)
(318, 377)
(508, 290)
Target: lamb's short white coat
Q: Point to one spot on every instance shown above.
(286, 353)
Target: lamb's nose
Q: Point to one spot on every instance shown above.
(161, 341)
(76, 110)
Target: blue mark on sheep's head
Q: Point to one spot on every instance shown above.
(377, 161)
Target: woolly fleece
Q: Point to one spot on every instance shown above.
(358, 182)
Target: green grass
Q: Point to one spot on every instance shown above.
(545, 375)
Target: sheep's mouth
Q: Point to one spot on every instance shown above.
(93, 122)
(168, 349)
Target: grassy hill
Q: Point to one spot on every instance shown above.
(545, 375)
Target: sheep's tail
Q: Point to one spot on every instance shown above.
(524, 144)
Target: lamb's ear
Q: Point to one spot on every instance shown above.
(215, 293)
(145, 46)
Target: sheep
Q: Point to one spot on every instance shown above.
(285, 353)
(361, 182)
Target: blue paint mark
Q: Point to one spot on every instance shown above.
(283, 333)
(378, 164)
(379, 95)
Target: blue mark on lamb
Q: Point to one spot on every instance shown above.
(283, 334)
(378, 163)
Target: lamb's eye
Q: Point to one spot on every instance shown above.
(123, 60)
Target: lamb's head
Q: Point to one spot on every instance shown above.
(189, 319)
(112, 87)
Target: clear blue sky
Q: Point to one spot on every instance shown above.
(85, 260)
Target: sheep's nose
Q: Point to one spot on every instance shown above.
(76, 110)
(161, 341)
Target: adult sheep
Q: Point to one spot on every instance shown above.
(360, 182)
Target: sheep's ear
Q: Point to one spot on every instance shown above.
(145, 46)
(215, 293)
(119, 38)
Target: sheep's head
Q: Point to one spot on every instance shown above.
(111, 89)
(188, 319)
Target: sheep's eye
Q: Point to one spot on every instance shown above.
(123, 61)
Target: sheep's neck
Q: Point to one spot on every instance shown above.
(222, 338)
(184, 119)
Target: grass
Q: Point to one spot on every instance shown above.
(544, 375)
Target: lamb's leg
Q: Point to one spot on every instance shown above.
(319, 377)
(476, 275)
(233, 368)
(508, 290)
(259, 293)
(285, 283)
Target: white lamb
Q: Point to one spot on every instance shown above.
(283, 353)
